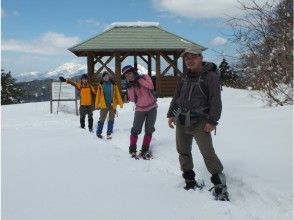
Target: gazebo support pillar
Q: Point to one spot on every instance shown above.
(117, 68)
(158, 75)
(90, 65)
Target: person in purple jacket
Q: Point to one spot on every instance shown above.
(141, 92)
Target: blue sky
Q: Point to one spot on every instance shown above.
(37, 33)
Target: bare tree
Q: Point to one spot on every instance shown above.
(264, 35)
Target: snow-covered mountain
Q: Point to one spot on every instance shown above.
(30, 76)
(67, 70)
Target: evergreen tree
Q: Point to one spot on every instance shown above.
(10, 92)
(228, 77)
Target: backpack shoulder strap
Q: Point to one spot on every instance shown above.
(203, 85)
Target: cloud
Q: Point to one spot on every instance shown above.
(3, 14)
(218, 41)
(200, 8)
(49, 43)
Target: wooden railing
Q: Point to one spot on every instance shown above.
(167, 86)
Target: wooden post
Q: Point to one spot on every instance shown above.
(158, 75)
(149, 66)
(117, 69)
(90, 65)
(176, 64)
(135, 61)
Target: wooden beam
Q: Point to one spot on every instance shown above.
(176, 57)
(90, 66)
(149, 66)
(152, 55)
(158, 75)
(96, 60)
(146, 61)
(135, 61)
(166, 69)
(117, 69)
(104, 65)
(171, 63)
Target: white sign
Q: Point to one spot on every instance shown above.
(66, 91)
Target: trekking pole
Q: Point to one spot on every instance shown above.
(59, 97)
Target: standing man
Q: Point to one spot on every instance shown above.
(195, 109)
(107, 98)
(86, 92)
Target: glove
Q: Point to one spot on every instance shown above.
(132, 84)
(62, 79)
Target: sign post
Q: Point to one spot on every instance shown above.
(61, 91)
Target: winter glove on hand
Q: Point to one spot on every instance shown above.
(132, 84)
(62, 79)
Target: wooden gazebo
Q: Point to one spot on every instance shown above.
(141, 40)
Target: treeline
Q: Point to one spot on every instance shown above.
(13, 92)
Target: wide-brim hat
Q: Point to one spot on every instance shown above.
(127, 69)
(192, 50)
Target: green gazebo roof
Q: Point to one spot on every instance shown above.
(134, 38)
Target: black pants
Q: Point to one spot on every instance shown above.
(148, 117)
(86, 110)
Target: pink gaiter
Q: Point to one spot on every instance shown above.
(133, 140)
(147, 140)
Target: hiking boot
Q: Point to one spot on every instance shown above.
(100, 136)
(190, 184)
(189, 177)
(132, 149)
(146, 155)
(220, 187)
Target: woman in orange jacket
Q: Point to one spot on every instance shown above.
(86, 91)
(107, 98)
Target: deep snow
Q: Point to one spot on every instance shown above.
(52, 169)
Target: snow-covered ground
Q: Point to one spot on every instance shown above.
(53, 170)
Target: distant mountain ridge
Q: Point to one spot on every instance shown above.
(67, 70)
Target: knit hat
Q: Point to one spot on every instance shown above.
(105, 73)
(126, 69)
(192, 49)
(84, 76)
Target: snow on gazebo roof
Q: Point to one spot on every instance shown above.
(132, 24)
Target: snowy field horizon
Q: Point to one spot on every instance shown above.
(52, 169)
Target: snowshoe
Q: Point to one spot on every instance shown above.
(220, 194)
(146, 155)
(220, 187)
(134, 155)
(193, 184)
